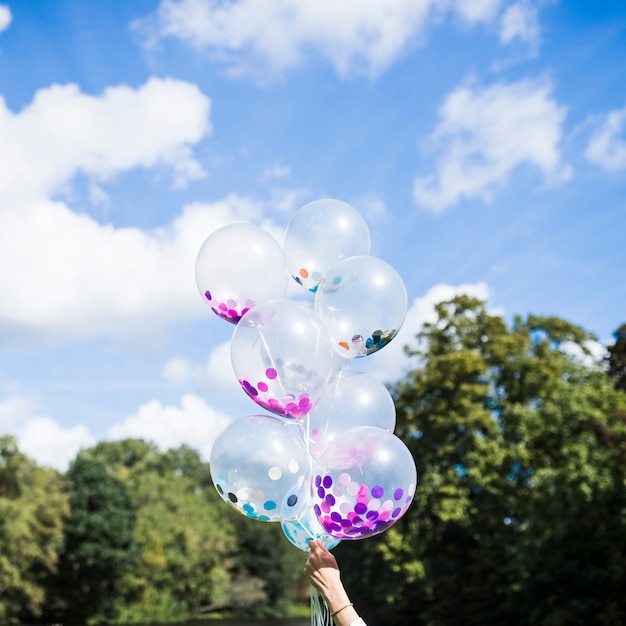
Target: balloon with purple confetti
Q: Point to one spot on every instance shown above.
(362, 483)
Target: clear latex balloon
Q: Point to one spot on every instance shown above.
(305, 528)
(363, 483)
(321, 234)
(351, 399)
(363, 303)
(261, 467)
(282, 357)
(239, 266)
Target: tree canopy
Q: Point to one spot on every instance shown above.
(33, 510)
(617, 358)
(520, 514)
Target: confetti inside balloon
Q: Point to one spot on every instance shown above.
(363, 303)
(238, 267)
(363, 483)
(282, 357)
(306, 527)
(321, 234)
(260, 466)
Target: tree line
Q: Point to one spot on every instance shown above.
(519, 518)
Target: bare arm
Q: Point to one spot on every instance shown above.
(322, 570)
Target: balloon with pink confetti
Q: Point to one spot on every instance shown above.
(362, 483)
(238, 267)
(282, 357)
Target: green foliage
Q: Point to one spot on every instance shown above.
(617, 358)
(98, 547)
(185, 540)
(520, 514)
(267, 569)
(133, 535)
(32, 510)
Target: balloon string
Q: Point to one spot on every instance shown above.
(320, 613)
(338, 378)
(305, 432)
(270, 357)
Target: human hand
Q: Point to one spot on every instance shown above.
(322, 570)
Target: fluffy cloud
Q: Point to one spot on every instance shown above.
(485, 134)
(216, 373)
(64, 132)
(39, 436)
(5, 17)
(71, 278)
(391, 364)
(47, 442)
(520, 22)
(592, 353)
(193, 423)
(607, 147)
(256, 37)
(475, 11)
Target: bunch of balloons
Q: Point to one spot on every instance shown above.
(321, 457)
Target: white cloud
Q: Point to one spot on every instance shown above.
(475, 11)
(71, 277)
(286, 200)
(484, 134)
(49, 444)
(39, 436)
(216, 373)
(391, 363)
(193, 423)
(373, 208)
(520, 21)
(594, 354)
(607, 147)
(5, 17)
(64, 132)
(256, 37)
(179, 370)
(273, 172)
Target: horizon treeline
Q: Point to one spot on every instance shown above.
(519, 518)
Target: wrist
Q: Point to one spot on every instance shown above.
(336, 600)
(340, 607)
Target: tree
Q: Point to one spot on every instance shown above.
(520, 512)
(266, 567)
(186, 540)
(98, 545)
(32, 511)
(617, 358)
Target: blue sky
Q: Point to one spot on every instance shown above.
(484, 141)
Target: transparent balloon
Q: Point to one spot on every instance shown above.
(363, 483)
(351, 399)
(261, 467)
(239, 266)
(282, 357)
(363, 303)
(321, 234)
(305, 528)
